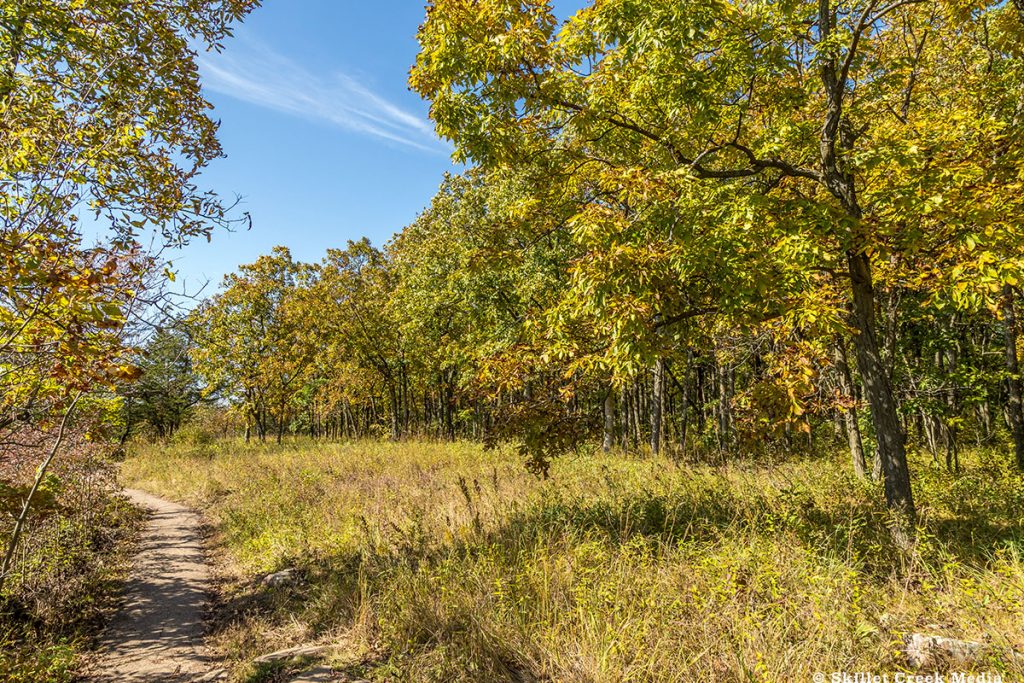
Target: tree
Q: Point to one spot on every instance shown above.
(825, 132)
(474, 274)
(1015, 404)
(167, 389)
(102, 113)
(254, 340)
(356, 285)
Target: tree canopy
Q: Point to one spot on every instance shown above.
(708, 227)
(105, 131)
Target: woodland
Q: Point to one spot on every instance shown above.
(715, 230)
(729, 241)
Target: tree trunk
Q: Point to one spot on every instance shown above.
(261, 424)
(449, 407)
(609, 421)
(624, 426)
(393, 397)
(128, 412)
(932, 431)
(860, 466)
(657, 405)
(885, 417)
(405, 400)
(952, 410)
(637, 396)
(984, 416)
(44, 466)
(724, 407)
(1015, 406)
(633, 424)
(684, 428)
(836, 141)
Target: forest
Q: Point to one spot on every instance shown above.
(715, 251)
(751, 269)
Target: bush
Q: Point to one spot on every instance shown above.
(206, 425)
(193, 435)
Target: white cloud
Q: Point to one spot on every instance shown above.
(254, 73)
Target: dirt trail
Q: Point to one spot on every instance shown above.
(158, 635)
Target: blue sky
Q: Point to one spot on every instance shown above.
(325, 142)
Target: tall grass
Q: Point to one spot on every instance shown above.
(67, 571)
(431, 562)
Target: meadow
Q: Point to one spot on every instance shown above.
(448, 562)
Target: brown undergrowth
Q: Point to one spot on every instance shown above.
(69, 565)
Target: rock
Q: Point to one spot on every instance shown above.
(297, 653)
(325, 674)
(281, 578)
(927, 650)
(321, 674)
(215, 675)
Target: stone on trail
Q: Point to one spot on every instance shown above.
(925, 650)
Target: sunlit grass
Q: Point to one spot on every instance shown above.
(443, 562)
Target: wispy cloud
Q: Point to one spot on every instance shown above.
(254, 73)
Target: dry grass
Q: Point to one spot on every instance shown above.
(68, 570)
(431, 562)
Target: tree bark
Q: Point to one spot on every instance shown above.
(127, 423)
(888, 430)
(393, 398)
(952, 410)
(448, 407)
(724, 406)
(405, 400)
(837, 139)
(1015, 406)
(853, 436)
(636, 419)
(657, 405)
(609, 421)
